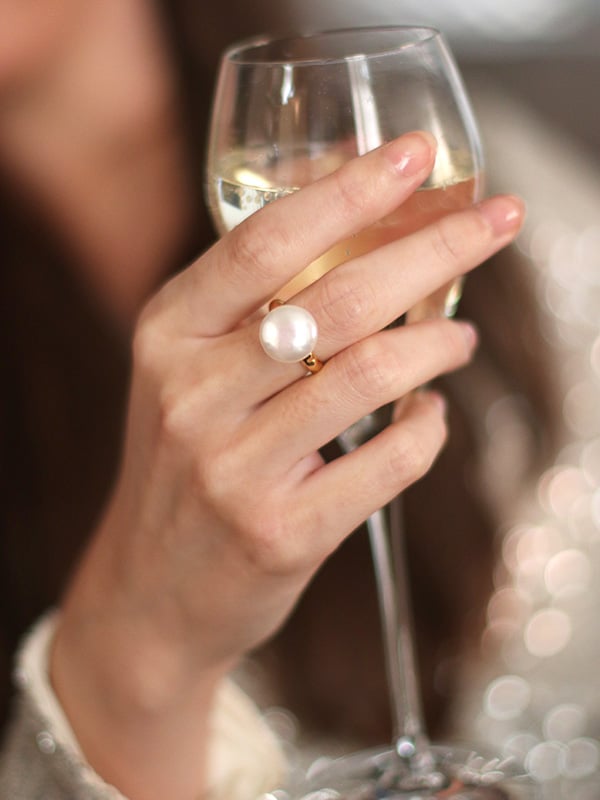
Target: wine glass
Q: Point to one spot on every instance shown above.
(287, 112)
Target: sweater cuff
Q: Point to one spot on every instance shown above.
(245, 759)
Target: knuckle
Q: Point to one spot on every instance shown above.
(351, 198)
(368, 371)
(356, 189)
(256, 248)
(448, 242)
(268, 542)
(216, 476)
(185, 405)
(173, 416)
(147, 342)
(344, 305)
(413, 453)
(456, 236)
(410, 457)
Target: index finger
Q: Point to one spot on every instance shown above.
(249, 265)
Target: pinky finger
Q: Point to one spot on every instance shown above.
(355, 485)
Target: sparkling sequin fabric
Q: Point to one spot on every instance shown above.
(34, 767)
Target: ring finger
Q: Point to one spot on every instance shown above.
(371, 373)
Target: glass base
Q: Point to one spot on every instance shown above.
(457, 774)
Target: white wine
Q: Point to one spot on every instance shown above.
(239, 191)
(287, 113)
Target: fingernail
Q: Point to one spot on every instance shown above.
(470, 333)
(504, 213)
(412, 153)
(440, 401)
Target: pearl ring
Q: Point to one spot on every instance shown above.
(289, 334)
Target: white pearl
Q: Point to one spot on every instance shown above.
(288, 333)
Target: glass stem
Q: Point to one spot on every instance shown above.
(388, 552)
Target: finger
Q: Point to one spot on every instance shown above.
(368, 293)
(255, 260)
(339, 496)
(361, 379)
(364, 295)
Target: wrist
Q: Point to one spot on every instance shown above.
(130, 646)
(139, 710)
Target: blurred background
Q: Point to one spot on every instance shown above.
(547, 52)
(533, 68)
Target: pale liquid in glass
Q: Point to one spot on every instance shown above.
(236, 192)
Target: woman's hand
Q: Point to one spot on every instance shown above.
(224, 508)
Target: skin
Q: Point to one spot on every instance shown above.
(223, 508)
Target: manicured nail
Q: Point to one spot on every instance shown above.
(470, 333)
(504, 213)
(439, 400)
(412, 153)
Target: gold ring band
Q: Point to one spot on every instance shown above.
(312, 363)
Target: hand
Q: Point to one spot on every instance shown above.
(224, 508)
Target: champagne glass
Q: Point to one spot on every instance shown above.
(287, 112)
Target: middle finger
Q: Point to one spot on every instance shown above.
(364, 295)
(367, 294)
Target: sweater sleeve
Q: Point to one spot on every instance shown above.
(41, 759)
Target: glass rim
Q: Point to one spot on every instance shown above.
(239, 52)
